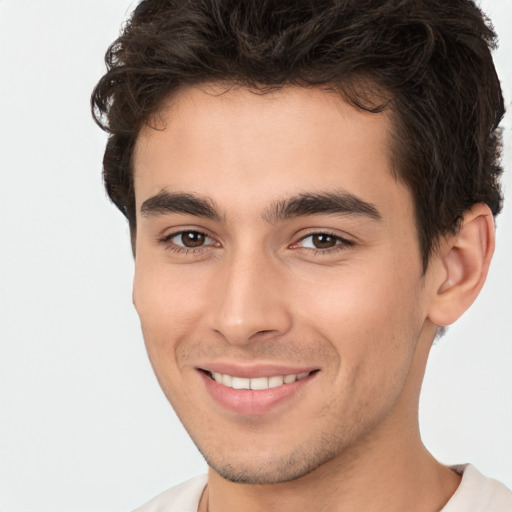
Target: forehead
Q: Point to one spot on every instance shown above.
(223, 142)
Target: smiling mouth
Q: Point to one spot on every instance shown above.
(256, 383)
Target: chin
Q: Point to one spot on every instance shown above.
(273, 469)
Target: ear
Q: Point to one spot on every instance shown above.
(460, 266)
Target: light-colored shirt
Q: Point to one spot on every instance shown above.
(476, 493)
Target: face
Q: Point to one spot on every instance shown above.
(278, 277)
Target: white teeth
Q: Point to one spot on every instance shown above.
(240, 383)
(258, 383)
(275, 382)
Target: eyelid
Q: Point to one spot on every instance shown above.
(342, 241)
(166, 240)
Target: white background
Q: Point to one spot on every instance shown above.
(83, 424)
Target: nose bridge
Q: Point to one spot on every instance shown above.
(248, 301)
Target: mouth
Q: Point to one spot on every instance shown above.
(255, 392)
(256, 383)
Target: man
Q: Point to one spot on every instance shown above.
(311, 189)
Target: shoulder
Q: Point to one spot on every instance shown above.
(182, 498)
(477, 493)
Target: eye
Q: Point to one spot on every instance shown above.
(320, 241)
(189, 239)
(324, 242)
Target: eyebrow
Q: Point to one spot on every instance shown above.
(167, 202)
(338, 202)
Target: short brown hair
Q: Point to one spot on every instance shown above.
(428, 60)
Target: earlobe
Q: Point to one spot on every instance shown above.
(462, 265)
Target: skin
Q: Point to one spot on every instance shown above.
(257, 291)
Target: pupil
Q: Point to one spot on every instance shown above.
(323, 241)
(193, 239)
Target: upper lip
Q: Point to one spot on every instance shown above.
(252, 371)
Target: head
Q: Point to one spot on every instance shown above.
(309, 187)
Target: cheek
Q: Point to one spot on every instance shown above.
(169, 306)
(373, 323)
(371, 317)
(169, 310)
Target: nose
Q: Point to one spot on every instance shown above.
(249, 302)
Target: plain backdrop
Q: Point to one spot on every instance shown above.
(83, 424)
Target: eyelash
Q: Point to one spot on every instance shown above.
(340, 245)
(170, 246)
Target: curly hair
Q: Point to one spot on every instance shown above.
(426, 62)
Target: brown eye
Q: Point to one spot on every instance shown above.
(323, 241)
(189, 241)
(192, 239)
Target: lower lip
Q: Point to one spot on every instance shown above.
(251, 402)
